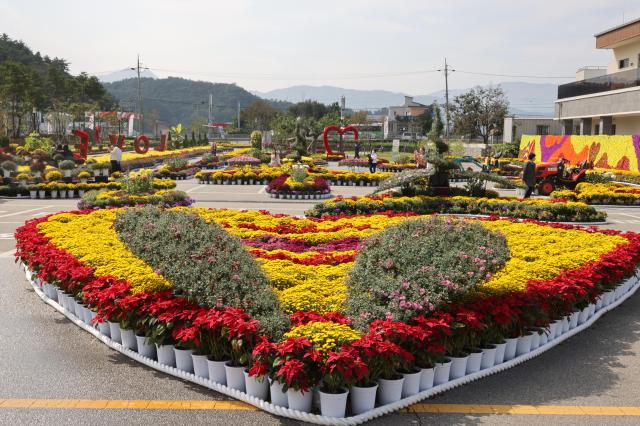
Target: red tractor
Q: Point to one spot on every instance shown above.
(549, 176)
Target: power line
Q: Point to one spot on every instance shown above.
(513, 75)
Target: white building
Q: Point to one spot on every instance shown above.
(605, 100)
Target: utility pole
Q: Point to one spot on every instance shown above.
(140, 123)
(238, 114)
(447, 70)
(210, 116)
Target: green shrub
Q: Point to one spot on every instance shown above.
(203, 262)
(36, 142)
(9, 165)
(419, 266)
(66, 165)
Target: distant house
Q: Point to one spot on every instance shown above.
(402, 118)
(515, 127)
(605, 100)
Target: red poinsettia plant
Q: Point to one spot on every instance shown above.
(297, 364)
(382, 357)
(342, 369)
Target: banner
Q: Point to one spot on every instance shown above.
(616, 152)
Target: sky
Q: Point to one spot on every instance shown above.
(358, 44)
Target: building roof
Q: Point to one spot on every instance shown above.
(618, 34)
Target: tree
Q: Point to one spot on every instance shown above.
(19, 91)
(480, 111)
(313, 109)
(359, 117)
(258, 115)
(284, 126)
(435, 134)
(316, 127)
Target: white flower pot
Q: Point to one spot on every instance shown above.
(573, 320)
(552, 329)
(184, 361)
(278, 397)
(71, 304)
(458, 367)
(144, 348)
(70, 193)
(83, 180)
(63, 193)
(256, 386)
(524, 344)
(544, 337)
(114, 329)
(235, 377)
(6, 173)
(488, 357)
(500, 350)
(592, 309)
(599, 302)
(23, 182)
(565, 325)
(67, 173)
(217, 372)
(54, 194)
(166, 355)
(558, 328)
(105, 172)
(62, 298)
(300, 401)
(41, 193)
(333, 404)
(33, 194)
(80, 193)
(390, 390)
(584, 315)
(363, 399)
(475, 359)
(96, 173)
(128, 337)
(104, 329)
(608, 297)
(88, 316)
(510, 350)
(200, 367)
(426, 378)
(411, 384)
(535, 339)
(442, 371)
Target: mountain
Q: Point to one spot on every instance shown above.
(177, 100)
(524, 98)
(125, 74)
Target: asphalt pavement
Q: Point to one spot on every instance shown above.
(44, 356)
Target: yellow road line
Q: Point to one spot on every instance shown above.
(144, 404)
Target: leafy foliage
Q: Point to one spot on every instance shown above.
(410, 269)
(480, 111)
(203, 261)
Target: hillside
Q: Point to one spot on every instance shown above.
(124, 74)
(177, 100)
(525, 98)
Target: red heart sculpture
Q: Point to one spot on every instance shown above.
(341, 131)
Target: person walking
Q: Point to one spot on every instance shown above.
(116, 158)
(356, 153)
(529, 175)
(373, 161)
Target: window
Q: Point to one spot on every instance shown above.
(542, 129)
(623, 63)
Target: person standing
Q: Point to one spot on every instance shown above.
(214, 149)
(373, 161)
(356, 153)
(529, 175)
(116, 158)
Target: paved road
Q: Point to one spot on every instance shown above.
(44, 356)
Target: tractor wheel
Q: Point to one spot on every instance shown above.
(546, 187)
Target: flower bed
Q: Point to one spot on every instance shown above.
(359, 162)
(119, 198)
(395, 167)
(555, 277)
(242, 160)
(165, 172)
(312, 187)
(264, 174)
(134, 160)
(601, 193)
(73, 190)
(504, 207)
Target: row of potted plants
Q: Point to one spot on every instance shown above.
(296, 362)
(601, 193)
(504, 207)
(308, 187)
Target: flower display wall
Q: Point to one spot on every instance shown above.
(606, 152)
